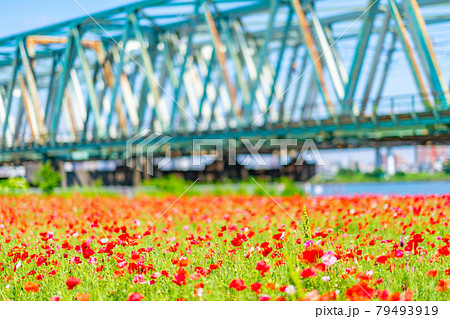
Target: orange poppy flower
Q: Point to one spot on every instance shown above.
(31, 287)
(83, 297)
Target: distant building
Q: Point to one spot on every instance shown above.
(430, 157)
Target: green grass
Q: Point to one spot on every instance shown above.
(175, 185)
(349, 176)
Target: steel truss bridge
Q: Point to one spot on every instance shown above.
(223, 69)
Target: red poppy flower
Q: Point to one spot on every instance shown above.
(381, 260)
(378, 281)
(88, 252)
(320, 267)
(278, 236)
(262, 267)
(280, 298)
(72, 282)
(443, 251)
(266, 251)
(408, 296)
(135, 296)
(180, 279)
(432, 273)
(360, 291)
(118, 273)
(383, 295)
(443, 285)
(40, 261)
(237, 284)
(311, 255)
(239, 239)
(256, 287)
(365, 275)
(414, 243)
(308, 272)
(330, 295)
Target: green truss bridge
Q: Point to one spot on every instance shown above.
(345, 73)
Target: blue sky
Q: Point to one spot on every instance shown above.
(23, 15)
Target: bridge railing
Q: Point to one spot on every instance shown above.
(408, 103)
(390, 105)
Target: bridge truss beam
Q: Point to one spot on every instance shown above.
(203, 68)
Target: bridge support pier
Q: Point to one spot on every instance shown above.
(390, 162)
(146, 172)
(377, 158)
(63, 174)
(137, 175)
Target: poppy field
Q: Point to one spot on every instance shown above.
(224, 248)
